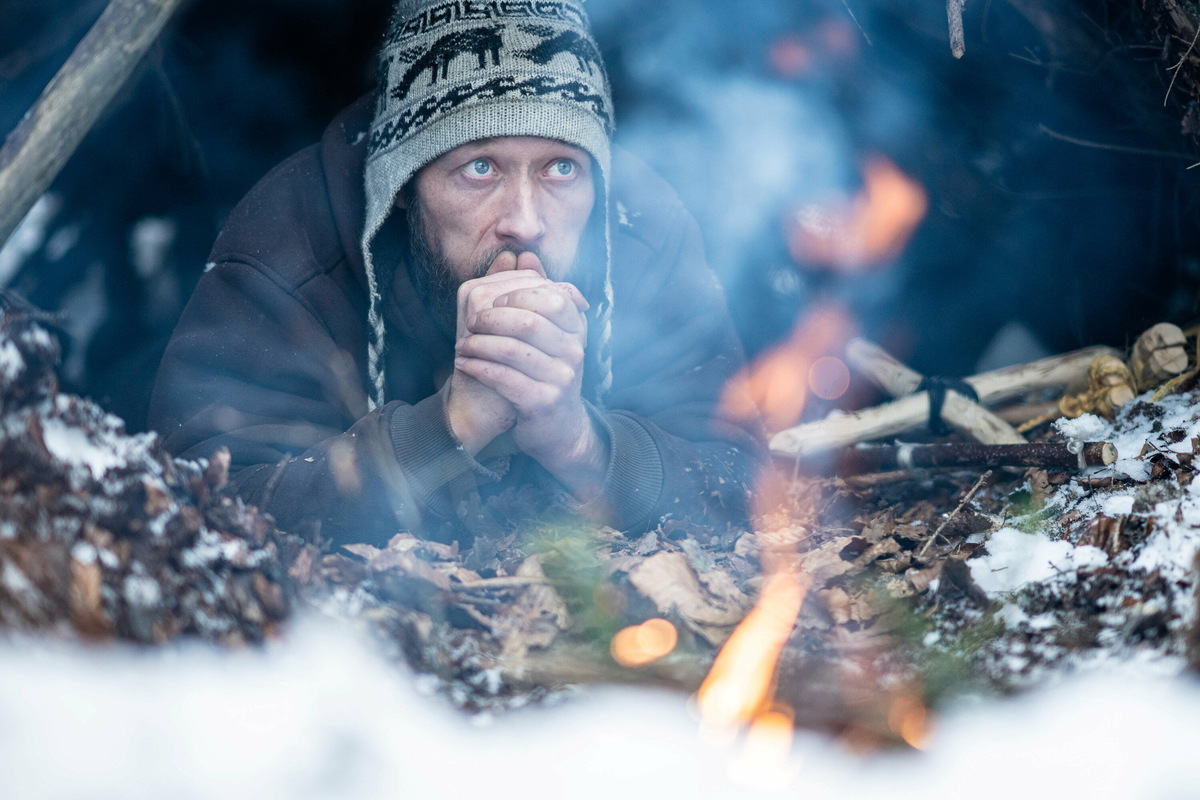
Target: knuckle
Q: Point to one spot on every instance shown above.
(575, 353)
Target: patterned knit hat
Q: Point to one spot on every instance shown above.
(459, 71)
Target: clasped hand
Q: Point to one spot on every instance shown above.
(519, 353)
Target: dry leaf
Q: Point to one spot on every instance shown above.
(669, 582)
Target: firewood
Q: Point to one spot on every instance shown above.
(956, 455)
(37, 149)
(1110, 386)
(909, 412)
(1158, 355)
(898, 380)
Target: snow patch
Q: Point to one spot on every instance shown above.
(1087, 428)
(1015, 559)
(72, 446)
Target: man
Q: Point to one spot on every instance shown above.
(461, 290)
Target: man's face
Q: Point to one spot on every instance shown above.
(513, 193)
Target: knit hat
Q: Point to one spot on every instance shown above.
(456, 72)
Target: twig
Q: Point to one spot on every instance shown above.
(502, 583)
(861, 29)
(958, 510)
(1179, 67)
(1116, 148)
(958, 41)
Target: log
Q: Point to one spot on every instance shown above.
(38, 148)
(909, 412)
(958, 455)
(899, 380)
(1158, 355)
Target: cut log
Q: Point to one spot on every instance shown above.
(1158, 355)
(36, 151)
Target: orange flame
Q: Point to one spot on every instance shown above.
(776, 385)
(870, 231)
(741, 683)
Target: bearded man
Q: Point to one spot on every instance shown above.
(463, 289)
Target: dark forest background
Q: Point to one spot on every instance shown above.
(1054, 158)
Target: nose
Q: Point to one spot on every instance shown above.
(520, 221)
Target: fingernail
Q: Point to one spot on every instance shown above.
(459, 361)
(501, 301)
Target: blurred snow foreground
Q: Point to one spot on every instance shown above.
(320, 714)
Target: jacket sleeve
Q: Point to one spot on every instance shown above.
(251, 368)
(675, 453)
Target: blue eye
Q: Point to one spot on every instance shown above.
(480, 167)
(563, 168)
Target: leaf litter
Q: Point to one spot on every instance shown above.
(1040, 575)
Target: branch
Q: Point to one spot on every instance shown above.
(955, 455)
(36, 151)
(909, 412)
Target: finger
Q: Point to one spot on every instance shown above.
(532, 328)
(528, 260)
(522, 356)
(545, 325)
(481, 293)
(505, 262)
(527, 395)
(547, 302)
(568, 290)
(576, 296)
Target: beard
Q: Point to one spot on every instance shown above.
(437, 281)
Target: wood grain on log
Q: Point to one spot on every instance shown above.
(1158, 355)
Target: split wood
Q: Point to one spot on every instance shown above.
(958, 455)
(37, 149)
(909, 412)
(961, 413)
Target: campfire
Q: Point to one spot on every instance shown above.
(916, 538)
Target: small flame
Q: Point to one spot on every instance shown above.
(765, 761)
(776, 385)
(639, 645)
(871, 230)
(741, 682)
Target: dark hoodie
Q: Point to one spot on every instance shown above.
(270, 360)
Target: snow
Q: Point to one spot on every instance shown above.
(1015, 559)
(1087, 428)
(11, 363)
(73, 446)
(321, 714)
